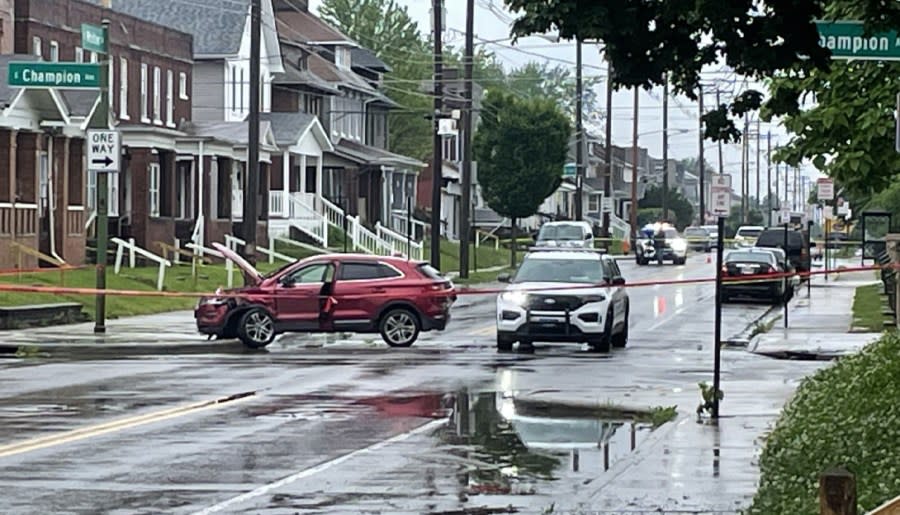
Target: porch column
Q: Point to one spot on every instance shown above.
(303, 174)
(285, 183)
(319, 172)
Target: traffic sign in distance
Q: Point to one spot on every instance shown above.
(104, 151)
(825, 189)
(721, 200)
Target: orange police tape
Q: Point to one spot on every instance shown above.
(17, 271)
(438, 293)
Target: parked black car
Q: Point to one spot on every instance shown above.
(745, 271)
(797, 247)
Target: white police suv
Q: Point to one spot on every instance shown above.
(564, 295)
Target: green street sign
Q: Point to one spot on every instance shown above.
(92, 38)
(846, 40)
(569, 169)
(54, 75)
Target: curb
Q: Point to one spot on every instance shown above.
(742, 338)
(599, 408)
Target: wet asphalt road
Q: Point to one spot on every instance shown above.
(328, 425)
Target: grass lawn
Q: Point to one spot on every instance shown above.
(845, 415)
(482, 277)
(867, 308)
(178, 278)
(487, 256)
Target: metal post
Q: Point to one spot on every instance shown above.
(786, 302)
(717, 352)
(721, 159)
(346, 215)
(702, 159)
(634, 171)
(579, 136)
(437, 161)
(758, 196)
(827, 231)
(408, 227)
(465, 225)
(665, 150)
(769, 177)
(101, 121)
(251, 192)
(809, 246)
(607, 179)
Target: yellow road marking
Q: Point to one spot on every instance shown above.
(115, 425)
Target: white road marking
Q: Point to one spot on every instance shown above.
(263, 490)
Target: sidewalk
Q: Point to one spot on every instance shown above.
(686, 466)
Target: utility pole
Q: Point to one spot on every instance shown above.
(607, 179)
(665, 149)
(702, 159)
(634, 169)
(579, 136)
(437, 161)
(721, 160)
(769, 176)
(465, 225)
(744, 174)
(101, 121)
(251, 191)
(777, 189)
(758, 196)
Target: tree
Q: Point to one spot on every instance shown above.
(536, 79)
(679, 207)
(851, 121)
(647, 41)
(521, 147)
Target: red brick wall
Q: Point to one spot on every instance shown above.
(5, 155)
(138, 162)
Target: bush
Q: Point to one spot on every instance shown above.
(846, 415)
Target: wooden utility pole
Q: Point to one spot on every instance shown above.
(579, 136)
(437, 161)
(769, 176)
(665, 150)
(702, 158)
(251, 177)
(721, 160)
(607, 179)
(634, 170)
(465, 225)
(758, 196)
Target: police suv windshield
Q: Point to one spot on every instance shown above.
(563, 232)
(582, 271)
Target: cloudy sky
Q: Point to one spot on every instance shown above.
(492, 23)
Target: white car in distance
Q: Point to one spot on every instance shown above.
(564, 295)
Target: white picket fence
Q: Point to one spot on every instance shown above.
(399, 243)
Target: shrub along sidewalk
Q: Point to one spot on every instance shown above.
(845, 415)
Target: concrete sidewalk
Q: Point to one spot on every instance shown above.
(687, 466)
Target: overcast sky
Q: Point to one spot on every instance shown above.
(492, 22)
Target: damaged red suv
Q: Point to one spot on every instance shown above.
(331, 293)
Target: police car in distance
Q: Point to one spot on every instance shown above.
(564, 295)
(660, 242)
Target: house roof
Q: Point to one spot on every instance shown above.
(364, 154)
(365, 58)
(234, 133)
(7, 92)
(303, 27)
(216, 25)
(80, 102)
(294, 75)
(289, 128)
(334, 74)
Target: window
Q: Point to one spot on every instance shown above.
(593, 203)
(311, 274)
(94, 57)
(145, 114)
(54, 51)
(342, 57)
(241, 94)
(157, 98)
(170, 98)
(112, 206)
(182, 86)
(366, 271)
(123, 88)
(153, 187)
(36, 46)
(79, 54)
(234, 88)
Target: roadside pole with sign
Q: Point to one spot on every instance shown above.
(102, 153)
(721, 208)
(825, 194)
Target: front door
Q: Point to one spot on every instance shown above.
(299, 297)
(361, 288)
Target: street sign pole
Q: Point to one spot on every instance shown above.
(786, 302)
(101, 121)
(809, 245)
(717, 358)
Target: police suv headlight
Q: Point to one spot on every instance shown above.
(514, 297)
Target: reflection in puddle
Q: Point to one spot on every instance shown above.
(659, 306)
(507, 447)
(679, 298)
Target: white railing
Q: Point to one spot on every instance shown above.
(232, 242)
(90, 225)
(399, 222)
(276, 203)
(308, 220)
(197, 233)
(333, 214)
(133, 250)
(398, 243)
(237, 204)
(620, 228)
(21, 221)
(364, 239)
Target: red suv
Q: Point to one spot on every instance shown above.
(330, 293)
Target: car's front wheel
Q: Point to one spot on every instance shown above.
(256, 328)
(504, 343)
(399, 327)
(621, 340)
(603, 343)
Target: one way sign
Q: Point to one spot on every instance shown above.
(104, 151)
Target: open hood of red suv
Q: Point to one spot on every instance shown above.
(252, 277)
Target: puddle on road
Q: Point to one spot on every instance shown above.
(506, 447)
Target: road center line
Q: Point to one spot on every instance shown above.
(263, 490)
(117, 425)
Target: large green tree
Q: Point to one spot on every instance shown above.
(678, 206)
(647, 41)
(540, 79)
(521, 147)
